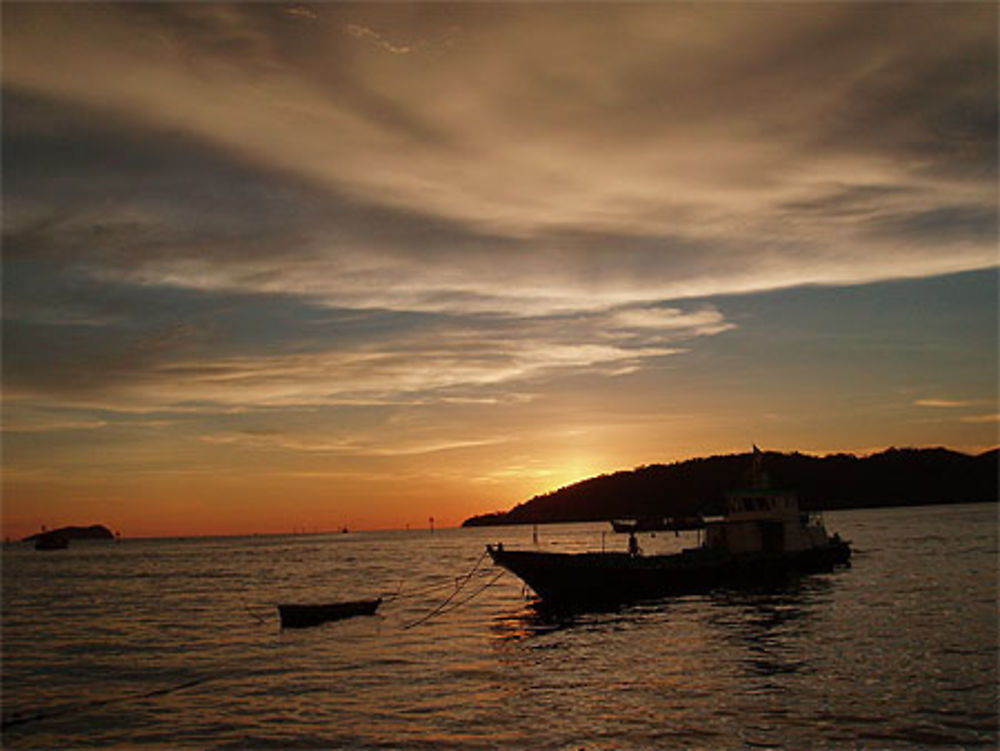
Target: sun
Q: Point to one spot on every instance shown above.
(575, 469)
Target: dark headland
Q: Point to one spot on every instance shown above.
(93, 532)
(895, 477)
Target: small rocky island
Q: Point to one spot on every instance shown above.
(93, 532)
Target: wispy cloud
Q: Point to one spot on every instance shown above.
(944, 403)
(400, 446)
(702, 321)
(365, 230)
(335, 357)
(301, 11)
(962, 406)
(978, 419)
(48, 425)
(571, 145)
(363, 32)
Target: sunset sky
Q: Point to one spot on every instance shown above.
(276, 266)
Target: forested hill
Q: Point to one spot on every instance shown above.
(895, 477)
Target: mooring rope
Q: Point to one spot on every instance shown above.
(434, 587)
(454, 606)
(259, 618)
(454, 583)
(449, 603)
(22, 718)
(460, 583)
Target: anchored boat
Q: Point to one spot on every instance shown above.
(763, 537)
(303, 616)
(659, 524)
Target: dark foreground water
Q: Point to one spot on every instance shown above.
(175, 643)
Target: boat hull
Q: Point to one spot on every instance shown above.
(581, 579)
(304, 616)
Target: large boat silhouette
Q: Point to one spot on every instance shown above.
(763, 537)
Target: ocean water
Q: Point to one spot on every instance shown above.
(176, 644)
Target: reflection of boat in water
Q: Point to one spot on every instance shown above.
(763, 537)
(51, 541)
(303, 616)
(659, 524)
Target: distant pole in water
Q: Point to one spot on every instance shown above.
(431, 520)
(534, 533)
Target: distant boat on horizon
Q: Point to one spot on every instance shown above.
(659, 524)
(52, 536)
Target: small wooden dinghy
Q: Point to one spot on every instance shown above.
(303, 616)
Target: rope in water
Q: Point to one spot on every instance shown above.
(259, 618)
(456, 584)
(450, 584)
(460, 584)
(21, 718)
(454, 606)
(403, 592)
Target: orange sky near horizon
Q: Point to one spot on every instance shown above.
(272, 267)
(265, 499)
